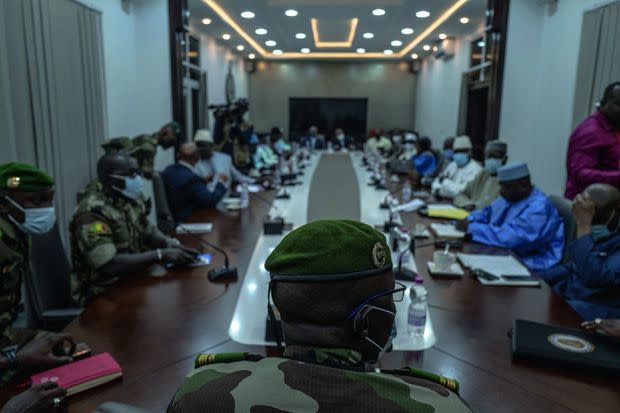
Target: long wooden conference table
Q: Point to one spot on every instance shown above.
(155, 326)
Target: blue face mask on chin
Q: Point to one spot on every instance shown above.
(461, 159)
(492, 165)
(133, 186)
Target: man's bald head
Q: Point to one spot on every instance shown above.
(606, 199)
(188, 152)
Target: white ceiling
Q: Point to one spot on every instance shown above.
(334, 18)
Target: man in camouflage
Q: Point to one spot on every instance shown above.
(145, 146)
(333, 286)
(26, 208)
(111, 236)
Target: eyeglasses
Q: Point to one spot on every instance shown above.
(398, 294)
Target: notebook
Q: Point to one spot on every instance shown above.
(563, 347)
(446, 231)
(506, 270)
(82, 375)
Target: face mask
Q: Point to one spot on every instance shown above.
(36, 220)
(340, 137)
(382, 349)
(492, 165)
(133, 186)
(397, 139)
(461, 159)
(409, 146)
(448, 154)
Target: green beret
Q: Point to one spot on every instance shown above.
(121, 144)
(146, 143)
(330, 250)
(176, 128)
(17, 176)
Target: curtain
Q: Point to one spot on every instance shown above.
(599, 58)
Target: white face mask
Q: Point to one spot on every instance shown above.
(133, 186)
(36, 220)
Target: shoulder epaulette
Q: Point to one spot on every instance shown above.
(205, 359)
(446, 382)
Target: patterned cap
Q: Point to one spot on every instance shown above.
(17, 176)
(203, 135)
(512, 172)
(146, 143)
(121, 144)
(330, 250)
(462, 142)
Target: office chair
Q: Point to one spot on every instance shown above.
(50, 305)
(162, 210)
(564, 207)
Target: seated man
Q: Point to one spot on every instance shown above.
(26, 208)
(377, 142)
(484, 189)
(424, 162)
(111, 237)
(186, 190)
(146, 147)
(313, 141)
(590, 281)
(264, 157)
(280, 145)
(333, 285)
(522, 219)
(342, 141)
(213, 163)
(461, 171)
(443, 160)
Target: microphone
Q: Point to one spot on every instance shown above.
(272, 226)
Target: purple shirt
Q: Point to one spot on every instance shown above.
(593, 155)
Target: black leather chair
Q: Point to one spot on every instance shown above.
(49, 300)
(564, 207)
(162, 210)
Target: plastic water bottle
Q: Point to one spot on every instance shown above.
(416, 319)
(245, 195)
(407, 192)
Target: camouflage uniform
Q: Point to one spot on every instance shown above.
(102, 226)
(144, 150)
(311, 380)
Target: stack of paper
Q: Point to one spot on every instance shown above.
(410, 206)
(446, 231)
(508, 269)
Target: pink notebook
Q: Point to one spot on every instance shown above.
(82, 375)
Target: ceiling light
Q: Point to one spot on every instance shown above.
(291, 13)
(278, 52)
(396, 43)
(407, 30)
(388, 52)
(414, 56)
(378, 12)
(206, 21)
(261, 31)
(247, 15)
(305, 50)
(360, 50)
(422, 14)
(435, 49)
(464, 20)
(241, 48)
(443, 36)
(226, 36)
(270, 43)
(368, 35)
(252, 56)
(426, 47)
(481, 44)
(300, 36)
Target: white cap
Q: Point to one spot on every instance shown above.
(203, 135)
(462, 142)
(411, 137)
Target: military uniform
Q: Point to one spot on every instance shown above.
(102, 226)
(144, 150)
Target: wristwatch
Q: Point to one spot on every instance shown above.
(10, 353)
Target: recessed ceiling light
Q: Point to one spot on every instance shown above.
(378, 12)
(414, 56)
(247, 15)
(241, 48)
(443, 36)
(368, 35)
(481, 44)
(300, 36)
(464, 20)
(252, 56)
(360, 50)
(278, 52)
(435, 48)
(226, 36)
(270, 43)
(261, 31)
(426, 47)
(407, 30)
(388, 52)
(206, 21)
(305, 50)
(422, 14)
(396, 43)
(291, 13)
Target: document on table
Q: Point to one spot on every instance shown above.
(446, 231)
(446, 211)
(499, 265)
(410, 206)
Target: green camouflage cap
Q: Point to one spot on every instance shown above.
(145, 143)
(17, 176)
(121, 144)
(330, 250)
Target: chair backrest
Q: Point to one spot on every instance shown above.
(162, 208)
(564, 207)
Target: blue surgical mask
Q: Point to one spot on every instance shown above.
(600, 232)
(133, 186)
(461, 159)
(493, 164)
(448, 154)
(36, 220)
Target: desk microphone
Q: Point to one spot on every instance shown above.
(272, 226)
(217, 273)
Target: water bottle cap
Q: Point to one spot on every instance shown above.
(419, 280)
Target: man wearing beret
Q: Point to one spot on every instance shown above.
(26, 208)
(333, 286)
(523, 219)
(146, 148)
(111, 236)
